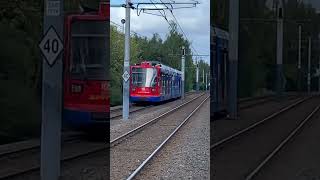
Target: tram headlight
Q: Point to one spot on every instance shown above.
(153, 89)
(76, 88)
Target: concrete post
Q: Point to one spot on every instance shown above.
(299, 60)
(126, 64)
(279, 82)
(233, 57)
(183, 71)
(309, 66)
(52, 97)
(197, 78)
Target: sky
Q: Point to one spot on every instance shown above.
(195, 22)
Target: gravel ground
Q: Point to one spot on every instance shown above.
(128, 155)
(119, 127)
(236, 159)
(186, 156)
(299, 159)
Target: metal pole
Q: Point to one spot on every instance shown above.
(52, 96)
(299, 59)
(279, 48)
(126, 64)
(202, 78)
(309, 65)
(182, 70)
(206, 81)
(319, 76)
(197, 77)
(233, 57)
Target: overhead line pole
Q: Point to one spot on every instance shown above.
(126, 64)
(233, 58)
(206, 81)
(299, 59)
(319, 77)
(183, 71)
(309, 65)
(52, 94)
(197, 78)
(279, 80)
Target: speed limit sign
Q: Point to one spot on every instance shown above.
(51, 46)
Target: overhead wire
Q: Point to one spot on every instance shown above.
(122, 27)
(175, 21)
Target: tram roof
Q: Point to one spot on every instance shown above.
(220, 33)
(164, 68)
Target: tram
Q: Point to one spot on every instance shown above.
(151, 81)
(219, 71)
(86, 69)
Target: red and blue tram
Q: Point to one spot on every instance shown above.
(151, 81)
(86, 69)
(219, 71)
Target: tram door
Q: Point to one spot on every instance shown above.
(224, 77)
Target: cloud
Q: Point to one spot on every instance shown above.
(195, 22)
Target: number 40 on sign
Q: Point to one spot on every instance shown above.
(51, 46)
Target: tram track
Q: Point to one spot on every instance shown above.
(251, 102)
(145, 144)
(36, 147)
(158, 149)
(246, 103)
(150, 122)
(281, 145)
(68, 153)
(260, 140)
(117, 113)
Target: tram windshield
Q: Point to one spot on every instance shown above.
(144, 77)
(89, 50)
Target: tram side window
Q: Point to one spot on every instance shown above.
(169, 87)
(163, 84)
(171, 84)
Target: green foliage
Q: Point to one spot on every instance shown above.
(257, 45)
(20, 26)
(21, 63)
(167, 51)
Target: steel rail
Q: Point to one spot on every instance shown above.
(103, 147)
(113, 142)
(282, 144)
(252, 126)
(132, 111)
(143, 164)
(136, 110)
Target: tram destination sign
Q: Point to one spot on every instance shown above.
(51, 46)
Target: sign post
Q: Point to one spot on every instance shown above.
(51, 47)
(126, 64)
(233, 58)
(279, 83)
(206, 81)
(299, 59)
(182, 70)
(197, 77)
(318, 73)
(309, 65)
